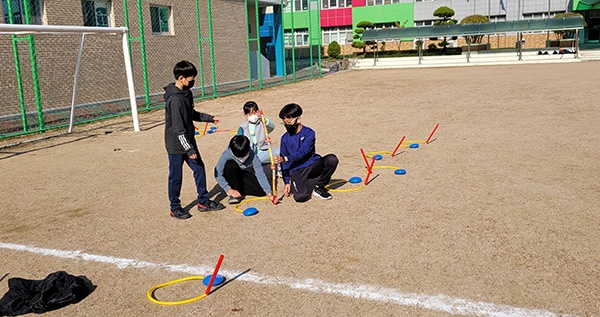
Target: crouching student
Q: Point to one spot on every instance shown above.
(299, 160)
(239, 172)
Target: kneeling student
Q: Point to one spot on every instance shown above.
(239, 172)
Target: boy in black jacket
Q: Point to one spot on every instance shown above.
(180, 142)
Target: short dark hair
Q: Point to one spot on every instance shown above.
(185, 69)
(239, 145)
(250, 106)
(289, 111)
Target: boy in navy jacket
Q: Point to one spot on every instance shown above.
(299, 160)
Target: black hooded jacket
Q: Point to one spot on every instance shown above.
(179, 117)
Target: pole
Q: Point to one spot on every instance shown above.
(76, 78)
(131, 86)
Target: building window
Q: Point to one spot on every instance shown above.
(338, 34)
(382, 2)
(161, 19)
(18, 11)
(424, 23)
(332, 4)
(299, 5)
(96, 13)
(300, 36)
(539, 15)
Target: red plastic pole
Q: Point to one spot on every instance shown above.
(205, 126)
(365, 157)
(398, 146)
(432, 132)
(212, 278)
(370, 170)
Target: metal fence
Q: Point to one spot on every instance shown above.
(236, 45)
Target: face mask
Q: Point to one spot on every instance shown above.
(189, 85)
(253, 118)
(291, 128)
(243, 159)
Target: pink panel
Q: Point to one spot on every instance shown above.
(359, 3)
(336, 17)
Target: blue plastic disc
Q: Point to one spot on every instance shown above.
(196, 132)
(210, 131)
(400, 172)
(213, 128)
(355, 180)
(250, 211)
(378, 157)
(414, 145)
(218, 280)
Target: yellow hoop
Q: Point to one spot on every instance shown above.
(150, 292)
(245, 201)
(371, 154)
(343, 181)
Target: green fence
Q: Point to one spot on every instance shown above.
(223, 38)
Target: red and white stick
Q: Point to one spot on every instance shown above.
(432, 132)
(398, 146)
(212, 278)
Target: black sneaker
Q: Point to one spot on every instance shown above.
(234, 200)
(210, 206)
(322, 192)
(180, 214)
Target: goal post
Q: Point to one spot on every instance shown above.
(26, 29)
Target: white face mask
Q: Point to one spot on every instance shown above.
(253, 118)
(243, 159)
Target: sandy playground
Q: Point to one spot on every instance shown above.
(497, 216)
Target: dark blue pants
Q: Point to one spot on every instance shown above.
(175, 177)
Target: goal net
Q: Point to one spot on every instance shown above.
(56, 76)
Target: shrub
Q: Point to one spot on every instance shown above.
(334, 49)
(473, 19)
(431, 47)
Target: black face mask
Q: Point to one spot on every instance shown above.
(190, 85)
(291, 128)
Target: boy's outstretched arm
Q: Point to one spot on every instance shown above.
(205, 117)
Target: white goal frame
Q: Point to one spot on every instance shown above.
(83, 30)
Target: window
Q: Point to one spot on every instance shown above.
(338, 34)
(331, 4)
(18, 11)
(161, 19)
(424, 23)
(539, 15)
(300, 35)
(96, 13)
(382, 2)
(299, 5)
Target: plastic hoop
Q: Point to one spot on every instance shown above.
(150, 293)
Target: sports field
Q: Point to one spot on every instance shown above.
(497, 216)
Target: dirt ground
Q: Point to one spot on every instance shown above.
(497, 216)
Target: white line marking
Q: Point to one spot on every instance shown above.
(441, 303)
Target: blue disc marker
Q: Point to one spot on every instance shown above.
(251, 211)
(414, 145)
(378, 157)
(218, 280)
(196, 133)
(210, 131)
(213, 128)
(355, 180)
(400, 172)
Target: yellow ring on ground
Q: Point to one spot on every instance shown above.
(343, 181)
(237, 207)
(371, 154)
(185, 301)
(388, 166)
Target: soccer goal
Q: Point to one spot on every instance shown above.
(57, 74)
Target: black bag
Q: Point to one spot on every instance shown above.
(57, 290)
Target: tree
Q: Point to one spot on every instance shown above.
(446, 15)
(567, 34)
(334, 50)
(360, 28)
(474, 19)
